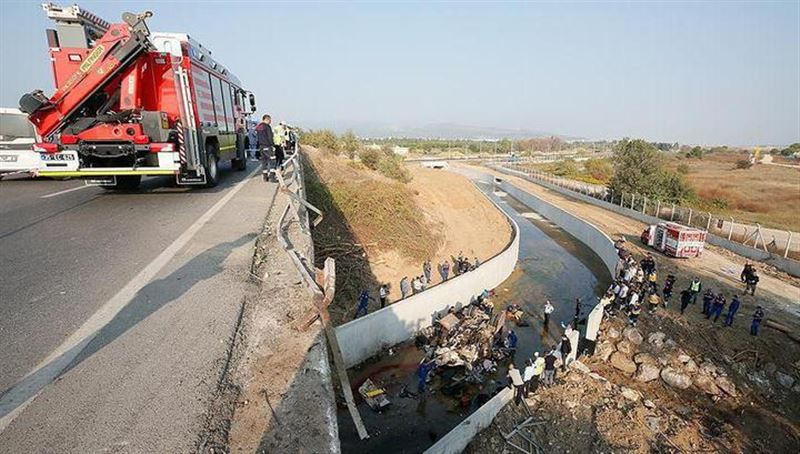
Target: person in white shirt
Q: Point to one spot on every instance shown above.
(548, 309)
(527, 376)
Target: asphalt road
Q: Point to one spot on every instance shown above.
(117, 309)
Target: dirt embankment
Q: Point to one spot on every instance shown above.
(761, 416)
(380, 230)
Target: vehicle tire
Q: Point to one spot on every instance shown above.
(212, 165)
(125, 183)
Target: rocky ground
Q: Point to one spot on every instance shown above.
(678, 383)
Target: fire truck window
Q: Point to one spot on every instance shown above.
(229, 115)
(219, 107)
(205, 102)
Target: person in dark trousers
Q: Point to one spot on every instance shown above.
(667, 292)
(708, 298)
(384, 293)
(758, 315)
(695, 287)
(748, 268)
(686, 299)
(548, 309)
(266, 146)
(516, 383)
(363, 304)
(577, 313)
(566, 349)
(716, 307)
(511, 340)
(751, 282)
(422, 375)
(732, 309)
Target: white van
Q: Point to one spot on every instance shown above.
(16, 139)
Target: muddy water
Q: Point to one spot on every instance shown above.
(552, 265)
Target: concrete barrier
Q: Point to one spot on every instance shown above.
(364, 337)
(785, 264)
(459, 437)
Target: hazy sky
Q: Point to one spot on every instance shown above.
(694, 72)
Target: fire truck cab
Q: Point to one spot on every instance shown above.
(130, 103)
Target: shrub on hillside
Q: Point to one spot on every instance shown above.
(393, 167)
(639, 168)
(323, 139)
(683, 169)
(743, 164)
(371, 158)
(599, 169)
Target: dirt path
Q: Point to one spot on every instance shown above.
(720, 265)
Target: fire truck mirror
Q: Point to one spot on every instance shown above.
(252, 98)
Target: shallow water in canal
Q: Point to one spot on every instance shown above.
(552, 265)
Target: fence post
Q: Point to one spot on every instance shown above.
(633, 199)
(708, 224)
(730, 229)
(672, 216)
(788, 244)
(644, 206)
(658, 208)
(621, 198)
(690, 218)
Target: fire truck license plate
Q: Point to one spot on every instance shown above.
(8, 158)
(65, 156)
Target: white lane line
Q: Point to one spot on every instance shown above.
(64, 191)
(23, 393)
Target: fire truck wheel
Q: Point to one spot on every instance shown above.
(239, 164)
(212, 168)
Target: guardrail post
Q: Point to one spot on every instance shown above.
(730, 229)
(788, 244)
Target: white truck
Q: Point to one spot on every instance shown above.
(17, 137)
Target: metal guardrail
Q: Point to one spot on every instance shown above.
(782, 242)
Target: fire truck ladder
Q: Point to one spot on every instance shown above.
(94, 26)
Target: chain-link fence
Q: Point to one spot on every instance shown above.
(781, 242)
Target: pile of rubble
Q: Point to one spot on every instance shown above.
(470, 338)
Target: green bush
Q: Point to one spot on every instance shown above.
(350, 144)
(371, 158)
(683, 169)
(393, 167)
(323, 139)
(743, 164)
(599, 169)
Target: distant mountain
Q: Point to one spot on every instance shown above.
(440, 131)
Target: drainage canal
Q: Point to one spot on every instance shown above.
(552, 265)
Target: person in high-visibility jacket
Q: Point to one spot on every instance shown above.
(279, 137)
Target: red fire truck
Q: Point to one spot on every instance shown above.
(130, 103)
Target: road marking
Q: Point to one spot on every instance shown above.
(24, 392)
(64, 191)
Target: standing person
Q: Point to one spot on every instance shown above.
(695, 287)
(538, 369)
(363, 304)
(405, 287)
(548, 309)
(511, 341)
(566, 348)
(686, 299)
(516, 383)
(549, 368)
(577, 313)
(751, 282)
(422, 375)
(732, 309)
(477, 262)
(708, 298)
(758, 315)
(635, 309)
(527, 377)
(652, 278)
(266, 143)
(667, 292)
(653, 301)
(279, 139)
(445, 270)
(384, 293)
(748, 268)
(427, 271)
(717, 306)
